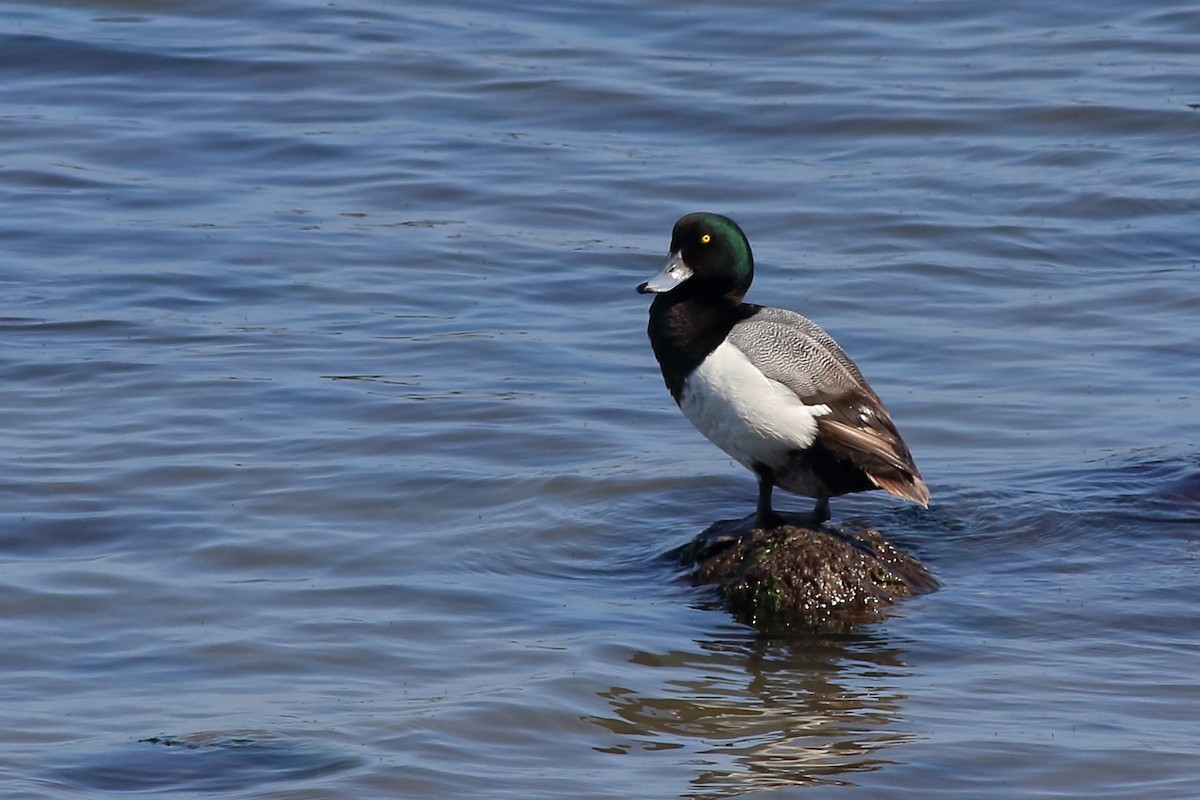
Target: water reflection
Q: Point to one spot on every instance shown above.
(760, 714)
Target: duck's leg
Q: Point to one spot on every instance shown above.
(821, 512)
(764, 517)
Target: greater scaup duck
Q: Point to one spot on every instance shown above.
(766, 385)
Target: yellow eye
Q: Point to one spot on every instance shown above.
(705, 238)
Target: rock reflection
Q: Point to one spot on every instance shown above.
(759, 715)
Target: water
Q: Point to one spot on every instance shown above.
(335, 462)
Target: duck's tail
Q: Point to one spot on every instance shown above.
(910, 487)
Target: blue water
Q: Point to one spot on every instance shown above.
(335, 463)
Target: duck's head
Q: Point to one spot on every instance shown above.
(709, 255)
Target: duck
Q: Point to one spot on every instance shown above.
(766, 385)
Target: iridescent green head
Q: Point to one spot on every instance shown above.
(709, 255)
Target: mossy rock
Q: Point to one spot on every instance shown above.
(795, 577)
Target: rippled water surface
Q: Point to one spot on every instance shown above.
(335, 462)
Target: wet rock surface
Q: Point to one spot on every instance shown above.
(804, 577)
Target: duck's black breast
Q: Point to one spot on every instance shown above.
(683, 332)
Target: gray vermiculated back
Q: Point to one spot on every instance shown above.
(798, 353)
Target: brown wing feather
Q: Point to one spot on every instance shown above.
(880, 452)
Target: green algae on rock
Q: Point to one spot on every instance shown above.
(795, 577)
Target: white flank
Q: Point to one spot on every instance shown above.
(745, 413)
